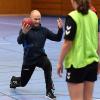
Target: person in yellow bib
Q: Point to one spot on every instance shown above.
(94, 9)
(99, 50)
(79, 51)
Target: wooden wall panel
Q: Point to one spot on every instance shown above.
(96, 3)
(48, 7)
(52, 7)
(58, 7)
(15, 6)
(68, 7)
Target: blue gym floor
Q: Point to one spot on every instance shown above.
(11, 55)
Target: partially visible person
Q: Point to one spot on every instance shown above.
(79, 51)
(99, 47)
(94, 10)
(33, 39)
(92, 7)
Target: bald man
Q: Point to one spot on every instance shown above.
(33, 40)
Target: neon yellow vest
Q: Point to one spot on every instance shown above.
(85, 45)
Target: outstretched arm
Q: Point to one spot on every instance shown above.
(70, 31)
(56, 37)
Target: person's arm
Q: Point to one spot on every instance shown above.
(99, 36)
(99, 45)
(99, 53)
(21, 37)
(64, 50)
(23, 33)
(56, 37)
(70, 31)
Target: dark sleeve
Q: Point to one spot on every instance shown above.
(70, 29)
(21, 37)
(54, 37)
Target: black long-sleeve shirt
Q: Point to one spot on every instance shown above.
(34, 41)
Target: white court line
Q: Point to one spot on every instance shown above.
(10, 23)
(5, 43)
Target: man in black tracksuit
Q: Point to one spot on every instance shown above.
(33, 40)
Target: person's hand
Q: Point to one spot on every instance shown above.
(60, 23)
(99, 68)
(25, 28)
(59, 69)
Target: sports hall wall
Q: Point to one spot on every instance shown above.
(96, 3)
(58, 7)
(52, 7)
(47, 7)
(15, 6)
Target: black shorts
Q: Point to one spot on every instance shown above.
(88, 73)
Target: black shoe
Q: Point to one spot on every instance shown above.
(50, 95)
(14, 82)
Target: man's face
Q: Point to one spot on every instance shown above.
(36, 18)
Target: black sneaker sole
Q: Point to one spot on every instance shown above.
(50, 98)
(12, 86)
